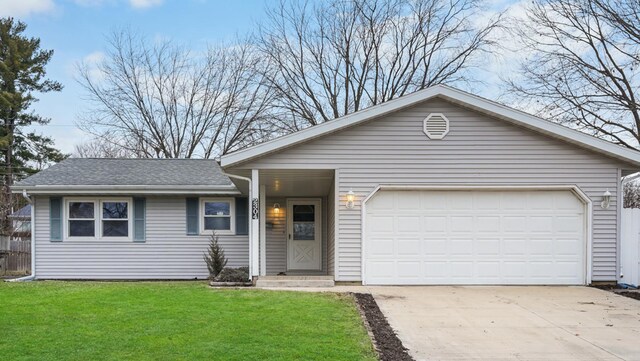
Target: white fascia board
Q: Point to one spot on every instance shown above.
(457, 96)
(75, 189)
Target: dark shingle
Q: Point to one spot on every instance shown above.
(130, 172)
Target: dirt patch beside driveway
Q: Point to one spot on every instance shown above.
(512, 322)
(388, 345)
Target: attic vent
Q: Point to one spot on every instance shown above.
(436, 126)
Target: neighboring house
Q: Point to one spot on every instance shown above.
(436, 187)
(21, 224)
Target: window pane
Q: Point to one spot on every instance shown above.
(114, 210)
(305, 231)
(217, 208)
(81, 210)
(81, 228)
(304, 213)
(217, 223)
(115, 228)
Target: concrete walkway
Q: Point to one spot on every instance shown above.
(512, 323)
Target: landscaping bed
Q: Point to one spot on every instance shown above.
(387, 343)
(617, 289)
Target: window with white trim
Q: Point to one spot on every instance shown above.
(217, 215)
(115, 219)
(82, 219)
(98, 218)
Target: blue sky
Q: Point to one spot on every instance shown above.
(77, 30)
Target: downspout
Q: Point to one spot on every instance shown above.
(32, 276)
(624, 181)
(248, 180)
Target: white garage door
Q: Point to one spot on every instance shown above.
(474, 237)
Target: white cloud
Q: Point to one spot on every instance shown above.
(22, 8)
(89, 2)
(91, 63)
(143, 4)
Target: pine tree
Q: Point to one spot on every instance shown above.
(22, 72)
(214, 257)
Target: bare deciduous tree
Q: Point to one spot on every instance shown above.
(584, 65)
(103, 148)
(162, 100)
(332, 58)
(631, 195)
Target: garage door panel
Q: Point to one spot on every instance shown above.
(436, 247)
(567, 224)
(475, 237)
(485, 201)
(540, 224)
(406, 224)
(514, 224)
(489, 270)
(382, 247)
(461, 247)
(409, 247)
(382, 224)
(488, 247)
(460, 224)
(434, 224)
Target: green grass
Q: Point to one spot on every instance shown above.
(175, 321)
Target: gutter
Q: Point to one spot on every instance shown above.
(119, 189)
(248, 180)
(32, 276)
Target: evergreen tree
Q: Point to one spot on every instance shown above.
(22, 72)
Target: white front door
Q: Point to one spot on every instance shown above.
(304, 236)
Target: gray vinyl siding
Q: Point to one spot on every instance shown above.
(276, 237)
(478, 150)
(167, 253)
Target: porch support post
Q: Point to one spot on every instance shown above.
(254, 247)
(263, 230)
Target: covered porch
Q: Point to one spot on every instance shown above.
(292, 223)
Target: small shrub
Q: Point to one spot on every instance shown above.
(229, 274)
(214, 257)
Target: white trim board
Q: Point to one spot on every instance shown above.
(454, 95)
(493, 187)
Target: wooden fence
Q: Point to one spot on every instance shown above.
(15, 258)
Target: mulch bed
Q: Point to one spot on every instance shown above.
(388, 345)
(635, 294)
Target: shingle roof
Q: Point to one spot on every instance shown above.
(130, 172)
(24, 212)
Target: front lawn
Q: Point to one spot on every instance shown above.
(175, 321)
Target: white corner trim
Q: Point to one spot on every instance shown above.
(336, 225)
(457, 96)
(508, 187)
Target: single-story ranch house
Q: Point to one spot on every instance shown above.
(436, 187)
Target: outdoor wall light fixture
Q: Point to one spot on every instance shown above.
(351, 197)
(606, 199)
(276, 208)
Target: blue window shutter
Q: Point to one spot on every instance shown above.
(242, 215)
(55, 219)
(139, 213)
(192, 216)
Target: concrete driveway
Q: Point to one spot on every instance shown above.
(512, 323)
